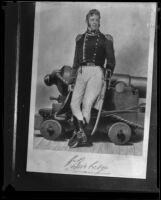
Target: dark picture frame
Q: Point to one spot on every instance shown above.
(19, 32)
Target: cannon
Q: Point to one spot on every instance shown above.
(120, 108)
(122, 80)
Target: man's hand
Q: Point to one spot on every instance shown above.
(108, 74)
(107, 78)
(70, 87)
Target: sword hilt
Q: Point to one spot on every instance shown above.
(107, 78)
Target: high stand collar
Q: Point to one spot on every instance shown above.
(92, 33)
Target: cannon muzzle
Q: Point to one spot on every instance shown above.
(139, 83)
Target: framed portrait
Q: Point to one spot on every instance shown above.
(122, 153)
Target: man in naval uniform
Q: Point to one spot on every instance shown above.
(93, 48)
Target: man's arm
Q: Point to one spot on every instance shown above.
(110, 53)
(76, 60)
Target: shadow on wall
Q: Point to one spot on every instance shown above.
(131, 59)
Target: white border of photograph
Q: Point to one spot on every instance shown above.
(92, 164)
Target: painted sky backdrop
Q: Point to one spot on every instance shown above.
(60, 22)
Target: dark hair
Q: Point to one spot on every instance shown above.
(92, 12)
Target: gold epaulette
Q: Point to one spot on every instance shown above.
(78, 37)
(109, 37)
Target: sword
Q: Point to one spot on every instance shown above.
(106, 83)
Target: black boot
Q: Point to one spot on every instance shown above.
(73, 141)
(86, 130)
(79, 136)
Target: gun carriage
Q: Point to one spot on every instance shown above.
(119, 114)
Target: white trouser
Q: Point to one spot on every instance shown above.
(86, 90)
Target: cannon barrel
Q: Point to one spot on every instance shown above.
(139, 83)
(65, 74)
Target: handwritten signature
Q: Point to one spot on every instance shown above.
(80, 164)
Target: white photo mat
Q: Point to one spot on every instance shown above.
(91, 164)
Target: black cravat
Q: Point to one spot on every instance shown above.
(92, 32)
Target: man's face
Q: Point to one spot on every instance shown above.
(93, 22)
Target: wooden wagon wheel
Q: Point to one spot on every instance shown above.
(120, 133)
(51, 129)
